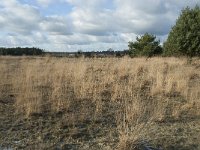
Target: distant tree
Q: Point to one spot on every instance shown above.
(18, 51)
(79, 53)
(146, 45)
(184, 37)
(119, 54)
(110, 50)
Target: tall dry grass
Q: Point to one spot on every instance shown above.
(136, 92)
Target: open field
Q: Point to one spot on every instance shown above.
(110, 103)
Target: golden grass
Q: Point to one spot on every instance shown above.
(142, 91)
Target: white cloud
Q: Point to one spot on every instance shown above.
(56, 25)
(19, 18)
(91, 24)
(129, 16)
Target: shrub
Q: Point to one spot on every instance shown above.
(146, 45)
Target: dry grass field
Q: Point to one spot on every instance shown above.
(108, 103)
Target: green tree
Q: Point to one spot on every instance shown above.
(146, 45)
(184, 37)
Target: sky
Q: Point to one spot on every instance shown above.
(88, 25)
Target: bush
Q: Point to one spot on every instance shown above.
(184, 37)
(145, 45)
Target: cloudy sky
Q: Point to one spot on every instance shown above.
(70, 25)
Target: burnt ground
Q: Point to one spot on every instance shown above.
(60, 131)
(54, 131)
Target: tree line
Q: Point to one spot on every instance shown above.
(19, 51)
